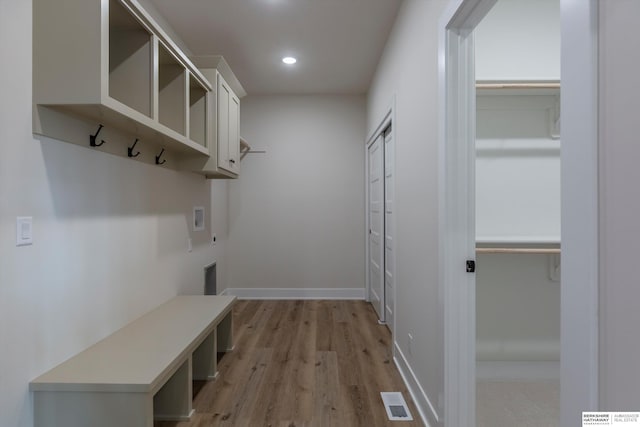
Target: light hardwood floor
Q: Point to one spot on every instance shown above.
(302, 363)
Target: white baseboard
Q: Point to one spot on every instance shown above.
(427, 411)
(518, 370)
(297, 293)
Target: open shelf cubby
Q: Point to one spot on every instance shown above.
(171, 91)
(108, 64)
(130, 60)
(197, 112)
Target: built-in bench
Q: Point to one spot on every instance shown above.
(142, 372)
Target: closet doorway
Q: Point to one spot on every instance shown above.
(457, 241)
(517, 214)
(380, 196)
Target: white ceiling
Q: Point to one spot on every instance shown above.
(337, 42)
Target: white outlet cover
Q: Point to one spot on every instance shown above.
(24, 230)
(189, 245)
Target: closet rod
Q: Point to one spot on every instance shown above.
(518, 250)
(517, 85)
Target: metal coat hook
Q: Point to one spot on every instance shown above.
(130, 149)
(92, 138)
(158, 162)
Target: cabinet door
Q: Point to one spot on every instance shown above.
(234, 133)
(224, 96)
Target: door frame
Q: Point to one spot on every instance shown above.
(392, 223)
(387, 119)
(579, 344)
(456, 204)
(456, 242)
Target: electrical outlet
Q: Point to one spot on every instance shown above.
(213, 239)
(410, 344)
(189, 245)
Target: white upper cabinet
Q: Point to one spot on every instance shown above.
(224, 160)
(109, 62)
(228, 127)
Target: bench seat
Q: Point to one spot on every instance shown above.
(142, 371)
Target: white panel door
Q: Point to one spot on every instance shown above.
(234, 134)
(389, 229)
(376, 226)
(224, 98)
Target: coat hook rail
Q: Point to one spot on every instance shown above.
(158, 162)
(130, 152)
(92, 138)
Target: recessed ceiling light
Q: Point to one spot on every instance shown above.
(289, 60)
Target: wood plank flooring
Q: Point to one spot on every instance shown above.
(301, 364)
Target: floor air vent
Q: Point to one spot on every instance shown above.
(396, 407)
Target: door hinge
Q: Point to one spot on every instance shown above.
(471, 266)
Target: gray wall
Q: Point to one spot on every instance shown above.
(619, 206)
(408, 72)
(110, 235)
(297, 211)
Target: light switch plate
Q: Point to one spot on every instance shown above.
(24, 230)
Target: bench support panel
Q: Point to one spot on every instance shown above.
(225, 333)
(95, 409)
(173, 401)
(204, 358)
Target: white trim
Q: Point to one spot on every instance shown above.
(427, 411)
(297, 293)
(579, 160)
(518, 370)
(367, 225)
(178, 418)
(382, 124)
(394, 237)
(456, 204)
